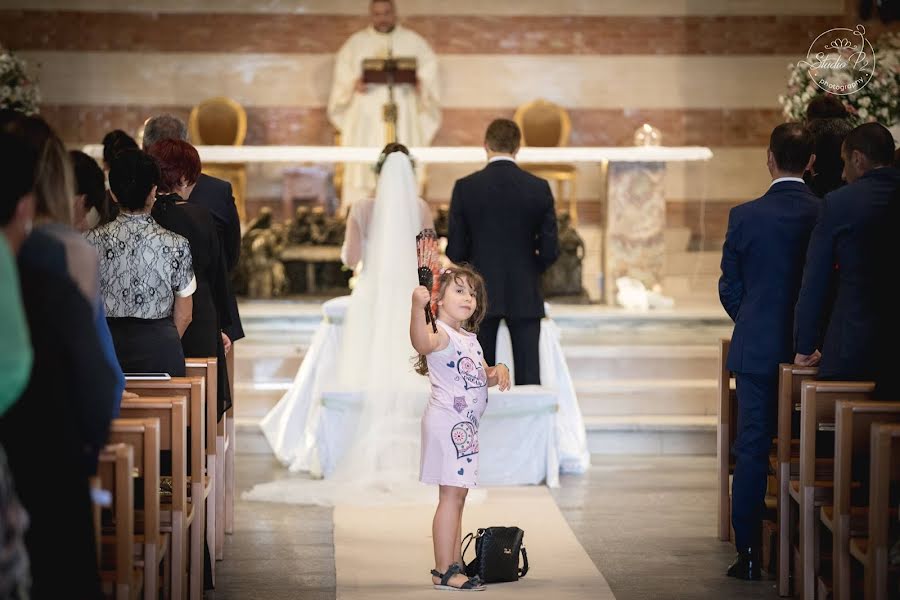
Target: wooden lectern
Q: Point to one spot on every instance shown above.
(390, 71)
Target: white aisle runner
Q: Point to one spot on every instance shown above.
(386, 551)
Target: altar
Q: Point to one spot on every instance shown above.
(633, 180)
(530, 435)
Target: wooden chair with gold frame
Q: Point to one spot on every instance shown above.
(221, 121)
(545, 124)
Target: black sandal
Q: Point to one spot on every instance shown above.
(472, 585)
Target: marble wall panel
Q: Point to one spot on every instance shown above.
(458, 7)
(299, 126)
(470, 81)
(456, 34)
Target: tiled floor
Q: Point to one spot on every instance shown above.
(648, 523)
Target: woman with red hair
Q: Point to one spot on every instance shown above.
(179, 165)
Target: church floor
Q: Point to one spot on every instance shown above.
(648, 523)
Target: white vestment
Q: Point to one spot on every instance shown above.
(359, 116)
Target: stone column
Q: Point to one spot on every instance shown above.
(634, 240)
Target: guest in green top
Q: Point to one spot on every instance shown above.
(15, 343)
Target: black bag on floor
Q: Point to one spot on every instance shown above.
(497, 552)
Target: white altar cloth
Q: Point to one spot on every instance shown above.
(440, 154)
(527, 435)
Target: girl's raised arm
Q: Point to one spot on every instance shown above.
(423, 338)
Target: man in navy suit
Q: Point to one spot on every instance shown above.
(216, 195)
(762, 267)
(502, 221)
(853, 232)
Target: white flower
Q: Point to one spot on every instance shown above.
(865, 101)
(863, 114)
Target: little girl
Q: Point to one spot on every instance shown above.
(452, 359)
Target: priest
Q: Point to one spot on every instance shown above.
(356, 108)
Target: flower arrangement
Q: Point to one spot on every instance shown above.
(18, 90)
(878, 101)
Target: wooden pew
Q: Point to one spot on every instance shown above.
(853, 425)
(815, 486)
(117, 571)
(230, 442)
(177, 516)
(725, 434)
(872, 551)
(193, 389)
(787, 468)
(215, 505)
(151, 542)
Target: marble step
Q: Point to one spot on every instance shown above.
(268, 362)
(587, 362)
(648, 435)
(647, 397)
(591, 362)
(652, 434)
(595, 398)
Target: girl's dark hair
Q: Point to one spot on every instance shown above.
(388, 150)
(131, 177)
(89, 180)
(459, 274)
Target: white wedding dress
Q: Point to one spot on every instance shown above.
(352, 415)
(368, 366)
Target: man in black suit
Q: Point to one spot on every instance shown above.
(216, 195)
(502, 221)
(762, 266)
(853, 232)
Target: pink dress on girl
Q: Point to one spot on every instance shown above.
(459, 395)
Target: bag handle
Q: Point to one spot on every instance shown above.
(469, 536)
(524, 570)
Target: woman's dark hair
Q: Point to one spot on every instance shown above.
(459, 274)
(18, 171)
(89, 181)
(828, 136)
(388, 150)
(826, 106)
(177, 161)
(54, 183)
(114, 142)
(132, 175)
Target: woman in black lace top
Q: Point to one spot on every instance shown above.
(146, 277)
(179, 165)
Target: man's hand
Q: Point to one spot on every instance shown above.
(808, 360)
(420, 297)
(361, 86)
(226, 341)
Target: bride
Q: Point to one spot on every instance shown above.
(367, 368)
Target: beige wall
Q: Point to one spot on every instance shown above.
(706, 72)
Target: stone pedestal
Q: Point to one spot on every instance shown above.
(634, 241)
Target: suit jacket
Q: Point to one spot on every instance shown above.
(502, 221)
(762, 267)
(216, 196)
(853, 232)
